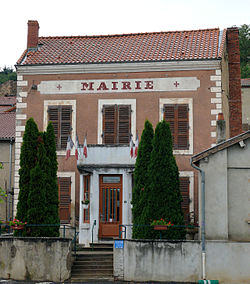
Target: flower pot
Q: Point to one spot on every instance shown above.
(85, 206)
(18, 227)
(161, 227)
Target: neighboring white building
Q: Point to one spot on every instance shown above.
(227, 188)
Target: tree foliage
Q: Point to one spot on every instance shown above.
(36, 213)
(52, 199)
(163, 189)
(7, 74)
(38, 197)
(28, 160)
(141, 178)
(244, 39)
(3, 194)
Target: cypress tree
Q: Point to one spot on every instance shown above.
(37, 194)
(28, 159)
(163, 191)
(141, 178)
(52, 200)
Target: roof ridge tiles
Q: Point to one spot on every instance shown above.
(126, 34)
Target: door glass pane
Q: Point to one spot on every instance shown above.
(118, 204)
(111, 179)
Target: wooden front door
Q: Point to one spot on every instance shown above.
(110, 209)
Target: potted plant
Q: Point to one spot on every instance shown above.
(161, 224)
(17, 225)
(85, 204)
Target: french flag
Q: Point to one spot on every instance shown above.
(131, 147)
(136, 145)
(76, 147)
(70, 145)
(85, 147)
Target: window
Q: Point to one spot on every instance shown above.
(116, 124)
(62, 114)
(178, 112)
(116, 121)
(61, 118)
(186, 188)
(64, 188)
(86, 212)
(177, 117)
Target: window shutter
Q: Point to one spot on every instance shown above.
(54, 117)
(177, 117)
(184, 188)
(109, 124)
(124, 124)
(169, 116)
(64, 186)
(66, 118)
(183, 127)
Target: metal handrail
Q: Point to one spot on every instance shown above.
(123, 228)
(92, 233)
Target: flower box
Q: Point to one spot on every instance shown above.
(161, 227)
(19, 227)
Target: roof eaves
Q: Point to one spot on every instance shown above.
(220, 146)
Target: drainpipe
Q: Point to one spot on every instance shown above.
(10, 179)
(203, 244)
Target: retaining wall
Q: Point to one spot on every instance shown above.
(158, 260)
(38, 259)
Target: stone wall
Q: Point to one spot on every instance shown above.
(179, 261)
(36, 259)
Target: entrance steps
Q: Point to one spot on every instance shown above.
(93, 263)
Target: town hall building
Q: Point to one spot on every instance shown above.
(103, 88)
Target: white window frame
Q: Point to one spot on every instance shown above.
(72, 193)
(131, 102)
(190, 175)
(178, 101)
(72, 103)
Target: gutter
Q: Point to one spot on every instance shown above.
(203, 224)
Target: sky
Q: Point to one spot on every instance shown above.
(97, 17)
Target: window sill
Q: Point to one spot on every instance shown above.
(85, 226)
(183, 152)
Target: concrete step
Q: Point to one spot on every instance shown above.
(94, 258)
(101, 279)
(86, 252)
(93, 264)
(90, 271)
(96, 247)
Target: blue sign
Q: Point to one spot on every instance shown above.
(119, 244)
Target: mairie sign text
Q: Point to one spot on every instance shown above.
(119, 86)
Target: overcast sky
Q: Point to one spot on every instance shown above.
(95, 17)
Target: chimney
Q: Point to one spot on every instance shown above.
(234, 99)
(220, 129)
(33, 28)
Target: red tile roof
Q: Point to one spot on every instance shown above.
(7, 101)
(7, 125)
(245, 82)
(144, 47)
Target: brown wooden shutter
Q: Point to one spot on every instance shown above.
(124, 124)
(184, 188)
(54, 117)
(183, 127)
(64, 186)
(177, 116)
(66, 121)
(109, 124)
